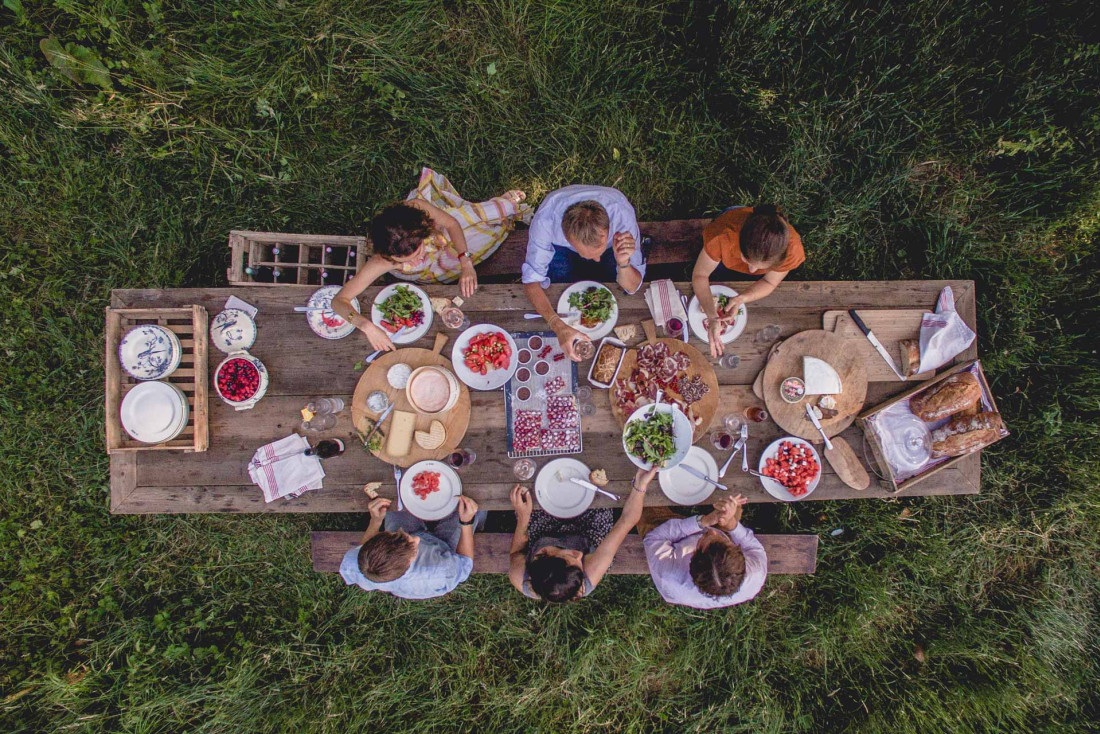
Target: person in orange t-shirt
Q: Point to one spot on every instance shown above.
(753, 241)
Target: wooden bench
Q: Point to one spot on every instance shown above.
(307, 256)
(787, 554)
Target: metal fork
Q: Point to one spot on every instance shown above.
(745, 448)
(397, 478)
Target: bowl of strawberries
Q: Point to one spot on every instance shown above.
(241, 380)
(791, 467)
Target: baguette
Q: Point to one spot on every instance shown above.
(910, 356)
(966, 435)
(972, 409)
(947, 398)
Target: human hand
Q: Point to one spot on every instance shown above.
(467, 508)
(377, 509)
(715, 327)
(567, 337)
(643, 477)
(521, 503)
(467, 281)
(729, 313)
(623, 245)
(377, 336)
(727, 512)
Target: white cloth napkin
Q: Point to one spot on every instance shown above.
(943, 334)
(664, 302)
(283, 470)
(237, 303)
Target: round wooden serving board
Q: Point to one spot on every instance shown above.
(705, 408)
(455, 421)
(786, 361)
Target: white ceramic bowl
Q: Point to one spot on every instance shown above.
(260, 391)
(682, 434)
(774, 488)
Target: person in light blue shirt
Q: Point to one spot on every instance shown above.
(581, 233)
(399, 555)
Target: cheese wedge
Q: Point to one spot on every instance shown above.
(627, 333)
(820, 377)
(433, 438)
(400, 437)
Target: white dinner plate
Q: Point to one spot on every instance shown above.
(600, 330)
(233, 330)
(438, 504)
(774, 488)
(682, 434)
(154, 412)
(327, 324)
(149, 352)
(696, 316)
(687, 489)
(493, 379)
(409, 336)
(559, 496)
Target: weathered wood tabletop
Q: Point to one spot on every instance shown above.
(303, 365)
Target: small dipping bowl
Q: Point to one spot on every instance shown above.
(535, 343)
(792, 389)
(523, 374)
(524, 356)
(541, 368)
(524, 393)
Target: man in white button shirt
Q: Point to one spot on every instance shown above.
(581, 233)
(704, 562)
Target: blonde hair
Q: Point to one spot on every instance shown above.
(586, 222)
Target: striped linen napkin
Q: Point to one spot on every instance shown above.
(664, 302)
(282, 469)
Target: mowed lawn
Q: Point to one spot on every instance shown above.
(924, 140)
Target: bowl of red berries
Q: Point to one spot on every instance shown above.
(241, 380)
(791, 468)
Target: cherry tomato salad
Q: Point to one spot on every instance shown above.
(487, 352)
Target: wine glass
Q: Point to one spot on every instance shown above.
(524, 469)
(730, 361)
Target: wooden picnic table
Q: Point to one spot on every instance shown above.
(302, 365)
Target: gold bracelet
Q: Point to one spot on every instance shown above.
(550, 323)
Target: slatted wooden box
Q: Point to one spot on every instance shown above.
(879, 451)
(276, 258)
(190, 324)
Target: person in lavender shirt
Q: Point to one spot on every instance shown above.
(704, 562)
(581, 233)
(399, 555)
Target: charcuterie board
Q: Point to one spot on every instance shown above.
(455, 421)
(786, 361)
(692, 364)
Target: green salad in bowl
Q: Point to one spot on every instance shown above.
(658, 436)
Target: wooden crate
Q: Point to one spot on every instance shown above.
(190, 324)
(873, 439)
(297, 259)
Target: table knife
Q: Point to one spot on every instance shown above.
(684, 331)
(374, 355)
(875, 342)
(397, 478)
(696, 473)
(594, 488)
(736, 447)
(817, 424)
(378, 423)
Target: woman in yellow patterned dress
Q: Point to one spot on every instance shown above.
(434, 236)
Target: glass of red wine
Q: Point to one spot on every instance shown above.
(461, 457)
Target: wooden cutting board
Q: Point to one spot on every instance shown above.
(455, 421)
(786, 361)
(705, 408)
(847, 465)
(758, 383)
(890, 326)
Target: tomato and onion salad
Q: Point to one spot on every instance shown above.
(793, 466)
(487, 352)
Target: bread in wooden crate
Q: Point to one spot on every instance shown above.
(946, 398)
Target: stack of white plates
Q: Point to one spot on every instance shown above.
(149, 352)
(154, 412)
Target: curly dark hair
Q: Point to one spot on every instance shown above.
(718, 569)
(399, 229)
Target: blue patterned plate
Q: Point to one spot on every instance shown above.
(326, 323)
(233, 330)
(149, 352)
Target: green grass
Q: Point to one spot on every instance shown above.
(931, 139)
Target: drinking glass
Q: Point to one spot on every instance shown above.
(584, 394)
(461, 457)
(319, 422)
(756, 414)
(524, 469)
(768, 334)
(733, 422)
(588, 409)
(584, 348)
(730, 361)
(721, 439)
(674, 328)
(454, 318)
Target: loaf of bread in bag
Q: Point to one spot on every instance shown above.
(966, 434)
(946, 398)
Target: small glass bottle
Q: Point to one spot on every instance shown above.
(756, 414)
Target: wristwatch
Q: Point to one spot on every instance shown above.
(466, 524)
(464, 254)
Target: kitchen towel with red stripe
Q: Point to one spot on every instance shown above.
(664, 302)
(282, 468)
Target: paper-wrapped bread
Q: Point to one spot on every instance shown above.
(966, 434)
(946, 398)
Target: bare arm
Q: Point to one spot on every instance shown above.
(598, 561)
(466, 542)
(763, 287)
(700, 283)
(377, 509)
(629, 279)
(467, 281)
(517, 554)
(565, 333)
